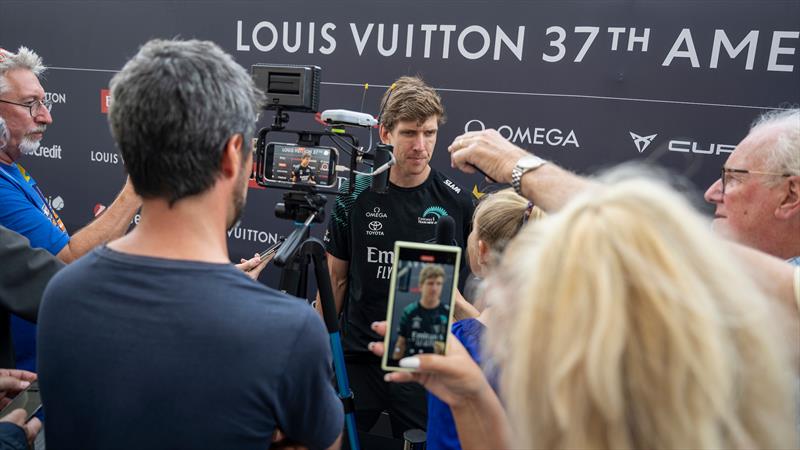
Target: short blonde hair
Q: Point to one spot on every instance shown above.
(430, 271)
(411, 100)
(626, 324)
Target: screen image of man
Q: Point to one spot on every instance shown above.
(156, 340)
(362, 230)
(24, 208)
(423, 325)
(302, 173)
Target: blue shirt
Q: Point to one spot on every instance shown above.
(442, 432)
(24, 209)
(150, 353)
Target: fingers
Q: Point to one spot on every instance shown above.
(379, 327)
(17, 373)
(16, 417)
(402, 377)
(32, 428)
(259, 266)
(376, 348)
(12, 384)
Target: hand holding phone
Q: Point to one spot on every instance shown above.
(29, 400)
(421, 299)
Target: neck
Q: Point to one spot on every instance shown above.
(783, 240)
(192, 229)
(406, 180)
(6, 158)
(429, 303)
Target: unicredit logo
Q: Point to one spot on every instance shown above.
(53, 152)
(554, 137)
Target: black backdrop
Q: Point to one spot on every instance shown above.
(571, 80)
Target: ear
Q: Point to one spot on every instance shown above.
(383, 132)
(483, 253)
(790, 203)
(232, 157)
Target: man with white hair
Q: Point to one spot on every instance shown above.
(23, 206)
(757, 197)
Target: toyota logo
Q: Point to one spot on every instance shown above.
(375, 225)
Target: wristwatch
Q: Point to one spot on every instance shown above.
(524, 165)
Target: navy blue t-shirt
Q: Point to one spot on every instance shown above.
(138, 352)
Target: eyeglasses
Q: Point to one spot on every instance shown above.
(35, 106)
(726, 171)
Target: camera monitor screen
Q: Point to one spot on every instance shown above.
(421, 299)
(296, 164)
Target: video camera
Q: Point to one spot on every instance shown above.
(306, 165)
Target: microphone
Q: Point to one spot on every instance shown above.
(445, 231)
(380, 181)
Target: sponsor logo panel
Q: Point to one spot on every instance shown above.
(682, 145)
(529, 135)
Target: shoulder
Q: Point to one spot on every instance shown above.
(411, 309)
(345, 200)
(459, 193)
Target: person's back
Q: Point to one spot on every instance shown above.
(155, 340)
(178, 354)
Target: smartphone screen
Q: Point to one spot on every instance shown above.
(421, 299)
(29, 400)
(292, 163)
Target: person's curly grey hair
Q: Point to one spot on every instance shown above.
(25, 58)
(784, 156)
(174, 106)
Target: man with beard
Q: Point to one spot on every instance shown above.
(23, 206)
(155, 340)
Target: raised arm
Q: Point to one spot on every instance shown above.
(112, 224)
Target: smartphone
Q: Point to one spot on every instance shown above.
(29, 400)
(422, 295)
(295, 164)
(272, 249)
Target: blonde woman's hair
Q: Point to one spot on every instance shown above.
(500, 215)
(624, 323)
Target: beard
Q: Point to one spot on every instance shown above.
(28, 145)
(239, 199)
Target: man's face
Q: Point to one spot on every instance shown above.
(432, 288)
(304, 162)
(25, 131)
(413, 145)
(746, 212)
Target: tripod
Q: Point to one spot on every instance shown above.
(293, 257)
